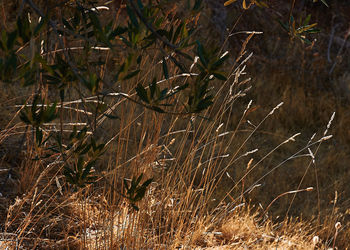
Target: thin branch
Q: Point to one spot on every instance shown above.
(150, 27)
(331, 38)
(339, 53)
(162, 39)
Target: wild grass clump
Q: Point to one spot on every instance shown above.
(300, 75)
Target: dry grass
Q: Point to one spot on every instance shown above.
(206, 173)
(299, 76)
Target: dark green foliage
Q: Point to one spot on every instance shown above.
(38, 114)
(24, 60)
(85, 155)
(165, 69)
(136, 191)
(81, 175)
(301, 31)
(27, 58)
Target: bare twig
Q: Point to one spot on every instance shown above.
(340, 51)
(331, 38)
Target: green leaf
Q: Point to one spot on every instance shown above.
(132, 17)
(165, 69)
(159, 110)
(140, 4)
(138, 60)
(204, 104)
(11, 39)
(306, 28)
(38, 136)
(83, 149)
(177, 64)
(58, 138)
(184, 31)
(201, 54)
(131, 74)
(73, 133)
(153, 87)
(111, 116)
(142, 93)
(50, 114)
(163, 94)
(24, 30)
(203, 89)
(312, 31)
(182, 87)
(67, 24)
(307, 41)
(307, 19)
(177, 32)
(140, 194)
(126, 186)
(82, 133)
(284, 26)
(117, 32)
(95, 21)
(147, 182)
(219, 75)
(138, 180)
(87, 169)
(62, 94)
(80, 164)
(24, 117)
(291, 19)
(141, 191)
(70, 171)
(136, 208)
(219, 62)
(76, 19)
(197, 5)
